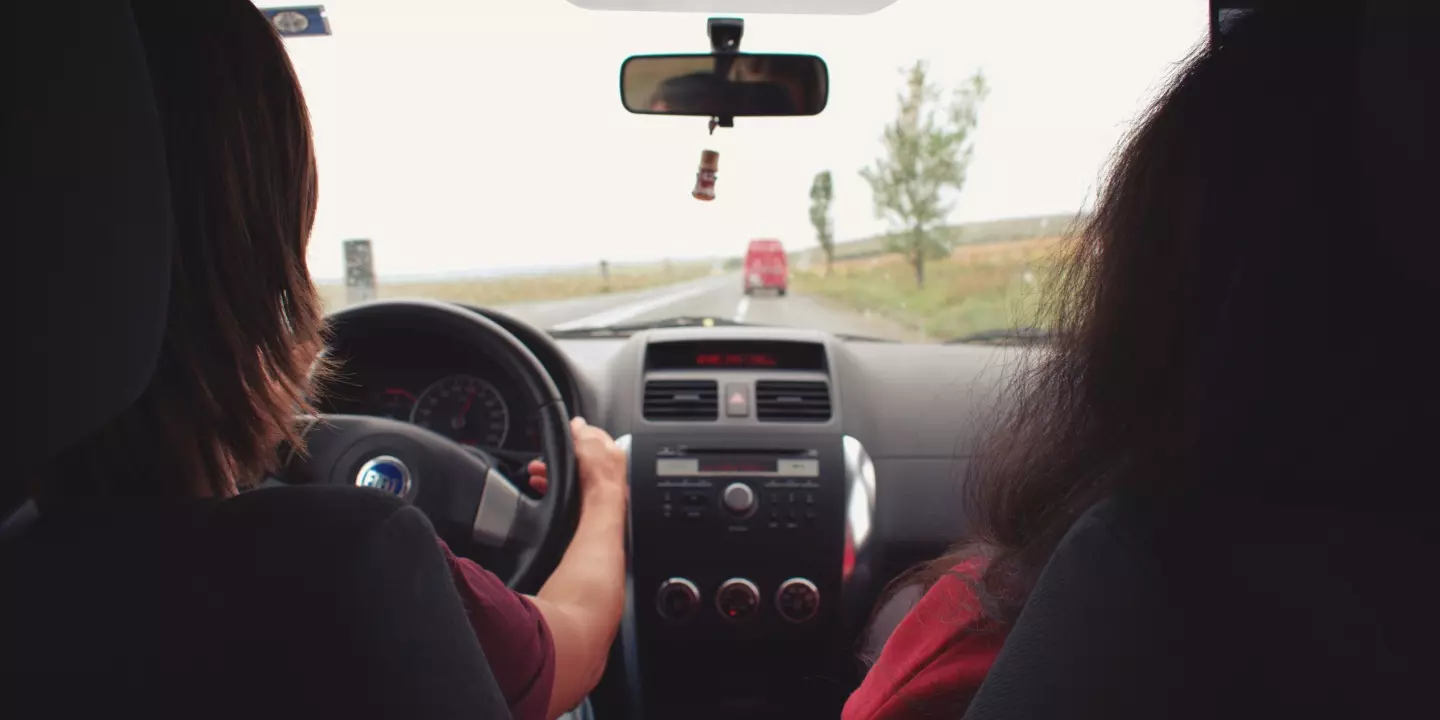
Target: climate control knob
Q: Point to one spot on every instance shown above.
(739, 499)
(797, 600)
(738, 599)
(677, 599)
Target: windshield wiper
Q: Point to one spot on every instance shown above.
(1006, 336)
(623, 330)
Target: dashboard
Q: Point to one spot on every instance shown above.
(780, 478)
(427, 376)
(432, 381)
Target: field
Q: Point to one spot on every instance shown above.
(987, 232)
(978, 287)
(510, 290)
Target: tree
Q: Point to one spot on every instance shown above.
(927, 151)
(822, 192)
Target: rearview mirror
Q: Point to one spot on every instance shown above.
(725, 85)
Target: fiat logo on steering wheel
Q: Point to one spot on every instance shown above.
(386, 474)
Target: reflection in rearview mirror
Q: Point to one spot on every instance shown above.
(734, 85)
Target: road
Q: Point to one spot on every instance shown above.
(717, 296)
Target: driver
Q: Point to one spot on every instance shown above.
(696, 93)
(242, 335)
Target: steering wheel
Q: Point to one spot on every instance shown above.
(457, 487)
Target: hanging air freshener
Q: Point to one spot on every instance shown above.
(705, 178)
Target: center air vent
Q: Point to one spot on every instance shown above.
(792, 401)
(681, 400)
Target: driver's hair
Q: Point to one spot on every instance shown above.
(244, 324)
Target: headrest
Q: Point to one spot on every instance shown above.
(91, 223)
(1398, 103)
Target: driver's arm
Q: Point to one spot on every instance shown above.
(583, 599)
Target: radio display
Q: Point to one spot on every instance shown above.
(730, 465)
(735, 355)
(741, 466)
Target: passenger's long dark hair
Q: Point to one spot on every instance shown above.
(1244, 312)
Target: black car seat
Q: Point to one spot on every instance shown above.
(291, 602)
(1212, 606)
(1316, 600)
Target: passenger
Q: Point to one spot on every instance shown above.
(1217, 320)
(794, 75)
(244, 328)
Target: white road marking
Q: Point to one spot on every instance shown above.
(742, 308)
(625, 312)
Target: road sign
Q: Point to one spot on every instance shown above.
(298, 21)
(359, 272)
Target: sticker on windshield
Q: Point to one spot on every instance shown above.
(298, 21)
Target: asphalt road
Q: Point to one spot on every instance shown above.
(717, 296)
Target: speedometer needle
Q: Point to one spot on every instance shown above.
(459, 421)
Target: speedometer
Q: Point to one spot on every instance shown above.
(465, 409)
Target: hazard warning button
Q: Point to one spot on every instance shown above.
(737, 400)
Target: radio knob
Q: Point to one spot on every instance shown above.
(738, 599)
(677, 600)
(739, 498)
(797, 600)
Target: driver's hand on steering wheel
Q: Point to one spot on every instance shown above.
(538, 480)
(583, 599)
(600, 462)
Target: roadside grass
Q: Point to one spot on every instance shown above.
(977, 288)
(509, 290)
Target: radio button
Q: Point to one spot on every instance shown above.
(677, 600)
(797, 600)
(738, 599)
(739, 499)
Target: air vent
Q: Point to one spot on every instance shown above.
(792, 401)
(681, 400)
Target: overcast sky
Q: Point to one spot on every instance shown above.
(465, 135)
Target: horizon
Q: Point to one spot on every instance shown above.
(577, 268)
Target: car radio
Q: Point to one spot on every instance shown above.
(741, 490)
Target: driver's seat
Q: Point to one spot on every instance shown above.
(290, 602)
(308, 602)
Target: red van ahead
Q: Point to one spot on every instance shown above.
(766, 266)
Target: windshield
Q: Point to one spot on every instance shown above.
(481, 154)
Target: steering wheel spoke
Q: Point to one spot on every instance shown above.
(506, 515)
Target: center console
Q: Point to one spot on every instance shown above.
(747, 502)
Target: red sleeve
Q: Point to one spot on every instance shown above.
(513, 634)
(935, 661)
